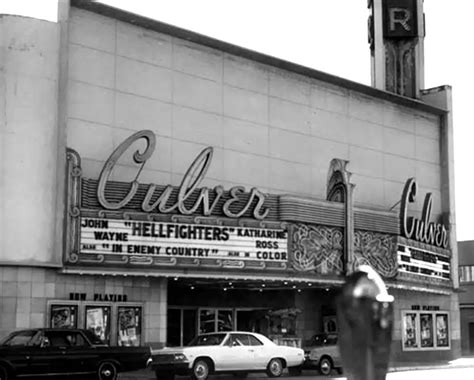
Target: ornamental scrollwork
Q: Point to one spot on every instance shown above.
(317, 248)
(72, 209)
(377, 250)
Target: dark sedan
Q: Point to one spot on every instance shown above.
(61, 352)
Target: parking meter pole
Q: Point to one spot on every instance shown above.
(365, 315)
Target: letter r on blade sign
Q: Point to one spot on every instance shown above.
(399, 18)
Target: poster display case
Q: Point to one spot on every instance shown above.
(63, 316)
(410, 337)
(425, 330)
(117, 324)
(129, 325)
(442, 331)
(98, 321)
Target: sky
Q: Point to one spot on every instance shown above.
(330, 36)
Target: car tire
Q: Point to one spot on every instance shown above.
(164, 375)
(295, 371)
(274, 368)
(201, 369)
(107, 371)
(325, 366)
(4, 373)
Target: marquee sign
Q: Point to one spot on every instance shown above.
(421, 262)
(163, 239)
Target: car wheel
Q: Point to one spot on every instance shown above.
(295, 371)
(200, 370)
(4, 373)
(275, 368)
(163, 375)
(325, 366)
(107, 371)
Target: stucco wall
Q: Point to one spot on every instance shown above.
(28, 141)
(270, 128)
(26, 292)
(403, 301)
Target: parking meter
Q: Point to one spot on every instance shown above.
(365, 316)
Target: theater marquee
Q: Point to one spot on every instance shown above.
(112, 223)
(128, 237)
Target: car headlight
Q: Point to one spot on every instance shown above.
(180, 357)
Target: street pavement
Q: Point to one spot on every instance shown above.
(427, 370)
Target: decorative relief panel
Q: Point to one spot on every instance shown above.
(377, 250)
(73, 210)
(317, 248)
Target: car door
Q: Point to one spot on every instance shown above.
(56, 349)
(261, 353)
(333, 350)
(81, 357)
(236, 354)
(26, 353)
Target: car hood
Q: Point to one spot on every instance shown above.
(177, 350)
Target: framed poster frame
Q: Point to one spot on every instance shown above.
(425, 330)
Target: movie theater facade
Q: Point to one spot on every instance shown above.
(169, 184)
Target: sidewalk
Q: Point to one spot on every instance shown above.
(464, 362)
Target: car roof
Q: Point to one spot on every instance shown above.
(229, 332)
(47, 329)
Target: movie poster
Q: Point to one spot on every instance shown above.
(426, 326)
(98, 321)
(129, 326)
(442, 330)
(63, 316)
(409, 331)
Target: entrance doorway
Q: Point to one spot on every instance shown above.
(182, 326)
(471, 338)
(252, 321)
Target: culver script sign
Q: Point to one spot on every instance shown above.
(422, 230)
(187, 203)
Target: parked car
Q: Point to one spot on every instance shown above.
(51, 352)
(322, 353)
(226, 352)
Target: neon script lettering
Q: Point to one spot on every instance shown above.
(420, 229)
(234, 207)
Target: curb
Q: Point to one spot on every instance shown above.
(148, 374)
(429, 367)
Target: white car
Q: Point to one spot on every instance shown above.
(226, 352)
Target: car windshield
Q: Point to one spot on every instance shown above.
(323, 340)
(20, 338)
(208, 340)
(94, 339)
